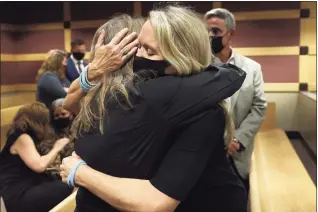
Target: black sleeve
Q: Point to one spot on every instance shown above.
(187, 158)
(53, 86)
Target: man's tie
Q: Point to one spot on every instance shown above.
(79, 66)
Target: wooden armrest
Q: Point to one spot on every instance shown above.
(279, 181)
(67, 205)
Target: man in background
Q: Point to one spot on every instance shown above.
(248, 105)
(75, 63)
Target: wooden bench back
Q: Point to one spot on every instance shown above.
(279, 181)
(68, 204)
(270, 118)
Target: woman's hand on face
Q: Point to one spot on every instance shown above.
(60, 144)
(112, 56)
(67, 164)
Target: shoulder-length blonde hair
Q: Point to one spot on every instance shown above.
(184, 41)
(182, 37)
(53, 63)
(34, 117)
(114, 85)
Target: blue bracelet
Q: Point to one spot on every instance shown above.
(85, 85)
(71, 175)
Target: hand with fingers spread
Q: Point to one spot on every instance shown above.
(112, 56)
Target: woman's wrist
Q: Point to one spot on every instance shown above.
(92, 73)
(80, 175)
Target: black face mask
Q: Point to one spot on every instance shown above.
(216, 44)
(144, 64)
(61, 123)
(78, 55)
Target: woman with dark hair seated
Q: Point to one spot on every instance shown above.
(23, 184)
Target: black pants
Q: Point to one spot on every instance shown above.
(43, 197)
(246, 182)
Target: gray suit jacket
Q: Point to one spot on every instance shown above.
(248, 106)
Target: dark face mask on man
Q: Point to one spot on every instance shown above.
(216, 44)
(144, 64)
(78, 55)
(62, 123)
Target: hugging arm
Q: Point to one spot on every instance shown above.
(178, 174)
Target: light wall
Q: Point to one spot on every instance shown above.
(286, 104)
(306, 120)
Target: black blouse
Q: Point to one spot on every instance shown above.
(15, 176)
(173, 136)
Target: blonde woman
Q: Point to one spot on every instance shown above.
(51, 80)
(155, 144)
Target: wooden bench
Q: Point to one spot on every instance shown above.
(279, 182)
(7, 116)
(67, 205)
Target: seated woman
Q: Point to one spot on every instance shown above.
(61, 121)
(23, 184)
(155, 144)
(51, 80)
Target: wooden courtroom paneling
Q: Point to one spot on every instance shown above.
(31, 12)
(266, 15)
(39, 41)
(84, 34)
(268, 51)
(81, 10)
(238, 6)
(279, 69)
(19, 72)
(265, 33)
(17, 98)
(8, 45)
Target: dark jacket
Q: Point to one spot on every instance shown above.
(71, 72)
(173, 136)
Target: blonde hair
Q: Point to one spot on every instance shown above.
(188, 52)
(53, 63)
(113, 85)
(183, 38)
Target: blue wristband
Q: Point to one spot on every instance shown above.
(71, 175)
(85, 85)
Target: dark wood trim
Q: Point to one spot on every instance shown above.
(297, 135)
